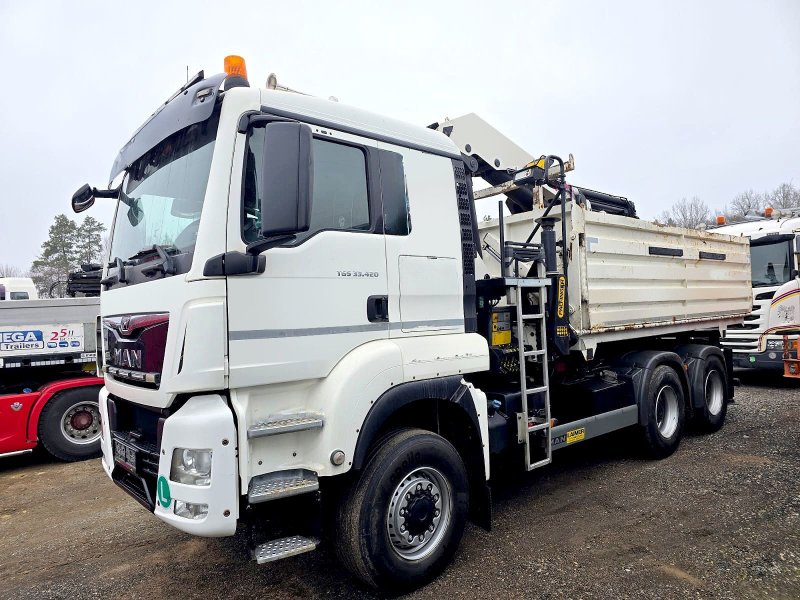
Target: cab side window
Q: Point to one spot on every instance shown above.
(341, 201)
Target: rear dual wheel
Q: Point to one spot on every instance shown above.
(400, 524)
(715, 406)
(666, 409)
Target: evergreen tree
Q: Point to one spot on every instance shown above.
(89, 243)
(67, 246)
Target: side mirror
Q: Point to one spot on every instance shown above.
(288, 179)
(83, 199)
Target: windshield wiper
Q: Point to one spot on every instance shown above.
(165, 264)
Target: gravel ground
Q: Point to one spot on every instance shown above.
(718, 519)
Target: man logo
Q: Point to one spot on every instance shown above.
(16, 407)
(125, 325)
(131, 359)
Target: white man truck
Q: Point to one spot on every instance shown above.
(306, 329)
(775, 261)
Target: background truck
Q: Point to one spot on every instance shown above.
(48, 388)
(775, 262)
(306, 332)
(17, 288)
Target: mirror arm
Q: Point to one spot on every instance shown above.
(261, 245)
(106, 193)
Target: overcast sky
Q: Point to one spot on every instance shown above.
(656, 100)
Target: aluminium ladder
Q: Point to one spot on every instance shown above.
(528, 424)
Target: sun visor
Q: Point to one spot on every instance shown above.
(192, 104)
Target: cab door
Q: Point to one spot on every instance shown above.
(323, 293)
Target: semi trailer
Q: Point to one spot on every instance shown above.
(307, 334)
(757, 343)
(49, 391)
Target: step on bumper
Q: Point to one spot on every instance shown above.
(282, 484)
(283, 548)
(278, 424)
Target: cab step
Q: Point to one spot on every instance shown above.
(283, 548)
(281, 484)
(277, 424)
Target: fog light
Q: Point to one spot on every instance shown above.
(191, 466)
(187, 510)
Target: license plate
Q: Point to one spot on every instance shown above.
(125, 456)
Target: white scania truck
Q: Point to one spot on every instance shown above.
(307, 333)
(775, 260)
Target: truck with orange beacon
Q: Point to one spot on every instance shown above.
(307, 333)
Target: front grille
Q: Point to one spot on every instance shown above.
(140, 428)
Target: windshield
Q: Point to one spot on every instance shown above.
(162, 194)
(771, 264)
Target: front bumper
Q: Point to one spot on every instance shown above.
(203, 422)
(768, 360)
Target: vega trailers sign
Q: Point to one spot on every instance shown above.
(44, 339)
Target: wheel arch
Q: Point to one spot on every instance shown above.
(445, 406)
(695, 357)
(50, 391)
(639, 365)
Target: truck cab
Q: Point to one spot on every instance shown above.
(17, 288)
(775, 261)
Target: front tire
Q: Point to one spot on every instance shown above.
(400, 524)
(69, 426)
(666, 401)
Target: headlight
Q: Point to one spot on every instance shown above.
(190, 466)
(187, 510)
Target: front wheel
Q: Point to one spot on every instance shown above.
(401, 522)
(666, 409)
(69, 426)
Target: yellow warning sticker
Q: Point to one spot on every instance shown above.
(561, 295)
(576, 435)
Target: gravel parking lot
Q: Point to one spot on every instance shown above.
(720, 518)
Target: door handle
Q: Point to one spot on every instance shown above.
(378, 309)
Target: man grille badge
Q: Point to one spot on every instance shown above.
(17, 406)
(125, 325)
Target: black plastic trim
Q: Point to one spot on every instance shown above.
(234, 263)
(467, 227)
(712, 255)
(361, 132)
(659, 251)
(449, 388)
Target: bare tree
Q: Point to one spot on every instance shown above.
(7, 270)
(746, 203)
(686, 213)
(786, 195)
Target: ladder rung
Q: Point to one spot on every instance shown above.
(534, 352)
(540, 463)
(533, 316)
(536, 390)
(538, 427)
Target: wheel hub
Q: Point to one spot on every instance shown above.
(81, 420)
(80, 423)
(419, 513)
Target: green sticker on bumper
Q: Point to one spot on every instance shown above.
(164, 497)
